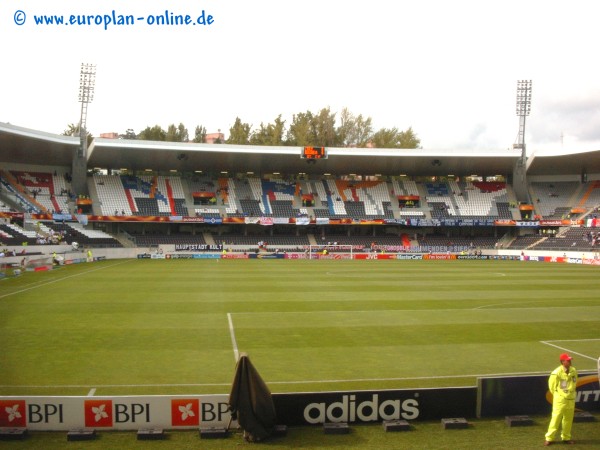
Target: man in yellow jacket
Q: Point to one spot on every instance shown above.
(562, 384)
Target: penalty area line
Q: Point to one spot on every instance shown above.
(61, 279)
(236, 353)
(568, 349)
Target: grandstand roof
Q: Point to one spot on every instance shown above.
(21, 145)
(25, 146)
(261, 159)
(564, 163)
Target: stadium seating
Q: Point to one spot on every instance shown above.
(253, 197)
(12, 234)
(143, 196)
(572, 239)
(549, 197)
(39, 191)
(75, 232)
(155, 239)
(112, 197)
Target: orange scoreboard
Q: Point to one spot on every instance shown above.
(314, 153)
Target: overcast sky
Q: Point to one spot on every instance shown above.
(448, 69)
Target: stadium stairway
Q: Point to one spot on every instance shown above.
(189, 200)
(93, 192)
(536, 243)
(125, 240)
(586, 194)
(209, 239)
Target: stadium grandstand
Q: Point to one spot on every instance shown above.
(161, 195)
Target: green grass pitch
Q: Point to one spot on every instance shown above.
(132, 327)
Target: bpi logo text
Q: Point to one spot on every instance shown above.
(105, 413)
(16, 413)
(191, 412)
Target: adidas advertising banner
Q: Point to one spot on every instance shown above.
(374, 406)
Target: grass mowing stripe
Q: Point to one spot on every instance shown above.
(405, 317)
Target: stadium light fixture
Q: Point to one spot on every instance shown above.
(523, 97)
(87, 83)
(523, 110)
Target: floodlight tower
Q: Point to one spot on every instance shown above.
(520, 170)
(523, 110)
(87, 81)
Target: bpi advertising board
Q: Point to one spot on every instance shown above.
(114, 413)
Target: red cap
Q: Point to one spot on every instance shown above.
(565, 357)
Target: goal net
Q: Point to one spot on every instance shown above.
(330, 251)
(40, 262)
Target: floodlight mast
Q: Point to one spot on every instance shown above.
(87, 82)
(523, 110)
(520, 169)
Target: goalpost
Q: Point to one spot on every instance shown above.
(330, 251)
(40, 261)
(16, 266)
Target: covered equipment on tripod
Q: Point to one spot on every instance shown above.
(250, 402)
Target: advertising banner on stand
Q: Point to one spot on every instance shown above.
(114, 413)
(375, 406)
(500, 396)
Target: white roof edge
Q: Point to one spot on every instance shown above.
(36, 134)
(295, 150)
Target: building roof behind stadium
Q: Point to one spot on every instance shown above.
(25, 146)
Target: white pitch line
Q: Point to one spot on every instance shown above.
(444, 377)
(61, 279)
(80, 386)
(236, 353)
(292, 382)
(450, 310)
(568, 349)
(92, 392)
